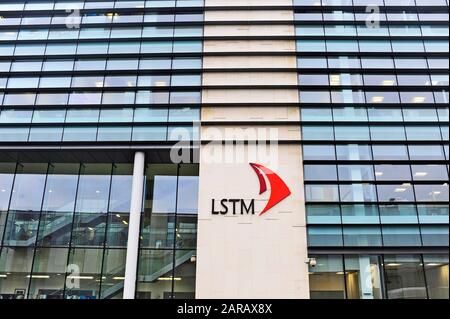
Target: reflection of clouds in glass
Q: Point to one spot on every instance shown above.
(164, 194)
(27, 193)
(120, 194)
(187, 195)
(60, 193)
(164, 191)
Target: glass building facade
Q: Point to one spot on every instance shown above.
(374, 111)
(85, 84)
(92, 73)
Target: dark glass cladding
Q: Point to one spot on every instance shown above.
(64, 230)
(373, 87)
(102, 71)
(84, 73)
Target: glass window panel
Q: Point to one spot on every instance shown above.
(82, 115)
(322, 193)
(353, 152)
(15, 134)
(435, 235)
(16, 116)
(89, 65)
(93, 188)
(433, 213)
(153, 265)
(323, 214)
(326, 279)
(116, 115)
(323, 236)
(426, 152)
(45, 134)
(436, 268)
(320, 172)
(378, 114)
(85, 98)
(58, 65)
(401, 236)
(49, 116)
(382, 97)
(61, 188)
(344, 62)
(55, 82)
(313, 63)
(23, 82)
(395, 193)
(429, 172)
(352, 133)
(89, 264)
(362, 236)
(316, 114)
(377, 63)
(350, 114)
(26, 66)
(79, 133)
(87, 81)
(149, 133)
(154, 63)
(28, 187)
(122, 64)
(118, 98)
(318, 152)
(187, 63)
(313, 79)
(416, 114)
(150, 115)
(355, 172)
(390, 152)
(347, 96)
(423, 133)
(404, 277)
(317, 132)
(360, 214)
(364, 279)
(398, 214)
(51, 99)
(7, 171)
(416, 97)
(432, 193)
(16, 263)
(106, 133)
(47, 279)
(388, 172)
(357, 193)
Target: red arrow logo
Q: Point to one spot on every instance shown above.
(278, 188)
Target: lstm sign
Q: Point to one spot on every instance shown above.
(278, 192)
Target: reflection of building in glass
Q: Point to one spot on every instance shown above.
(360, 113)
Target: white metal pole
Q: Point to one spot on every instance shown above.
(137, 191)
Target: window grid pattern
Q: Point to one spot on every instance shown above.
(149, 91)
(376, 173)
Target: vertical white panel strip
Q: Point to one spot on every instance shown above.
(134, 226)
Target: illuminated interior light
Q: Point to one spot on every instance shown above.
(388, 82)
(169, 278)
(378, 99)
(421, 174)
(418, 99)
(393, 264)
(38, 276)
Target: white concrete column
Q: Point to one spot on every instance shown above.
(137, 191)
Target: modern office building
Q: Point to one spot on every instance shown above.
(224, 149)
